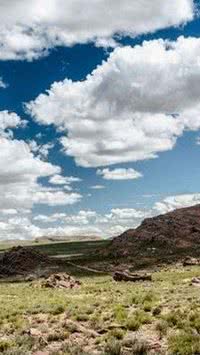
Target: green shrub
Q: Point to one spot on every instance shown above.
(120, 313)
(184, 344)
(162, 327)
(113, 347)
(117, 333)
(5, 345)
(133, 324)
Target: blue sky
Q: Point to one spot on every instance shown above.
(96, 204)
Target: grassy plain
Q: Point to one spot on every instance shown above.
(102, 317)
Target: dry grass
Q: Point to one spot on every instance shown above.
(103, 317)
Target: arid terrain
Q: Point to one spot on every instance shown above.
(61, 298)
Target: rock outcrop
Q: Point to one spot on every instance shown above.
(20, 260)
(170, 233)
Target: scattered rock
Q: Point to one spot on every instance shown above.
(189, 261)
(60, 280)
(196, 281)
(34, 332)
(124, 276)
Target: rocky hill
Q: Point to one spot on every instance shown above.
(168, 234)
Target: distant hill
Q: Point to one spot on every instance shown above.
(176, 232)
(77, 238)
(45, 240)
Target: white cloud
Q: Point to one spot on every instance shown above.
(63, 180)
(173, 202)
(119, 174)
(42, 150)
(126, 214)
(131, 107)
(3, 85)
(20, 170)
(10, 120)
(9, 212)
(29, 28)
(54, 197)
(97, 187)
(87, 222)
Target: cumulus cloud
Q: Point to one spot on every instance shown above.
(173, 202)
(55, 197)
(42, 150)
(119, 174)
(28, 30)
(63, 180)
(20, 171)
(86, 222)
(9, 120)
(131, 107)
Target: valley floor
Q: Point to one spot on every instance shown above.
(103, 317)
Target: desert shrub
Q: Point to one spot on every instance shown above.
(5, 345)
(120, 313)
(137, 320)
(136, 345)
(194, 319)
(81, 317)
(142, 317)
(69, 349)
(174, 318)
(133, 324)
(156, 311)
(184, 344)
(58, 336)
(117, 333)
(58, 310)
(147, 306)
(113, 347)
(140, 347)
(161, 327)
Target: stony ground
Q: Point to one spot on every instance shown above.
(102, 316)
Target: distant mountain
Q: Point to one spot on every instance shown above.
(77, 238)
(176, 232)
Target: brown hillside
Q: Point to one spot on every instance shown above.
(177, 231)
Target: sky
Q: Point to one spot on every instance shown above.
(99, 114)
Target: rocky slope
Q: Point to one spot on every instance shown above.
(174, 232)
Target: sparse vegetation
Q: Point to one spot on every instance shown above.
(103, 315)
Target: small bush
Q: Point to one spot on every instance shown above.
(117, 333)
(5, 345)
(113, 347)
(58, 310)
(162, 327)
(184, 344)
(133, 324)
(120, 313)
(194, 319)
(57, 336)
(140, 347)
(156, 311)
(137, 346)
(82, 317)
(147, 306)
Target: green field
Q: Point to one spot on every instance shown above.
(102, 317)
(63, 249)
